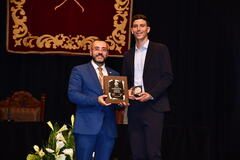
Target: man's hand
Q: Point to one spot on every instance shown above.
(144, 96)
(130, 94)
(101, 100)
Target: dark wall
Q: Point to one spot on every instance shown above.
(203, 39)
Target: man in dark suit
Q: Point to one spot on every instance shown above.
(95, 123)
(147, 65)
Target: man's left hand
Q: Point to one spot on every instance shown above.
(144, 96)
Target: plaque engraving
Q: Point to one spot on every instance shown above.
(116, 89)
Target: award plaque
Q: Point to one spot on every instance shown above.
(136, 90)
(116, 89)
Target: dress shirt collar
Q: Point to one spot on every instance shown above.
(104, 69)
(95, 66)
(144, 47)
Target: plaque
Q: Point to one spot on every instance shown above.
(116, 89)
(136, 90)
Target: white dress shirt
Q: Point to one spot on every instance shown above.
(139, 60)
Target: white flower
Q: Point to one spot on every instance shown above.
(49, 150)
(72, 120)
(60, 137)
(56, 138)
(61, 157)
(68, 152)
(36, 148)
(64, 128)
(59, 145)
(50, 125)
(41, 153)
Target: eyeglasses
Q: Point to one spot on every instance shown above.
(100, 49)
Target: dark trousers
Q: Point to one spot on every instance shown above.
(145, 131)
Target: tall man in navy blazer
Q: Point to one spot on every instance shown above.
(95, 123)
(148, 65)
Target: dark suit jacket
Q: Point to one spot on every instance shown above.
(84, 89)
(157, 74)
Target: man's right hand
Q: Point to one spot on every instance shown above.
(101, 100)
(130, 94)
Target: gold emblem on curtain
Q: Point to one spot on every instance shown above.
(66, 1)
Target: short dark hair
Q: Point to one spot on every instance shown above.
(140, 16)
(99, 39)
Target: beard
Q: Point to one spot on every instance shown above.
(99, 62)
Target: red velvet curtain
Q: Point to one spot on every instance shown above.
(67, 26)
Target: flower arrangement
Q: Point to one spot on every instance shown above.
(60, 144)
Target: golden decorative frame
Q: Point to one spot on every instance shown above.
(23, 37)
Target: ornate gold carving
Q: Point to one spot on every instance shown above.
(18, 15)
(117, 39)
(22, 35)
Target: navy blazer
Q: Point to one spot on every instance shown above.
(157, 74)
(84, 90)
